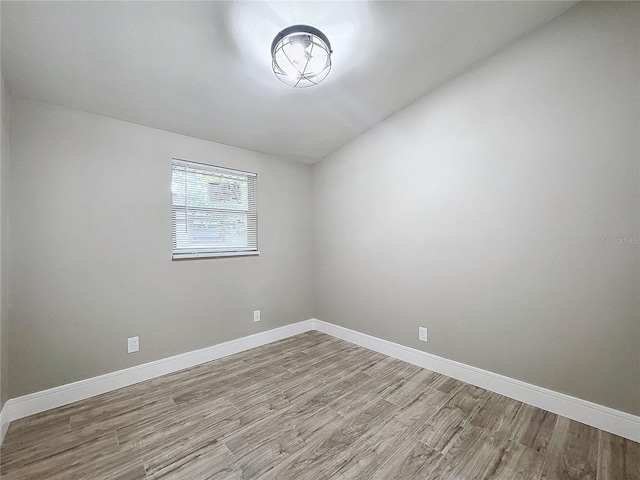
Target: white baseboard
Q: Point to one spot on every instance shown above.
(4, 423)
(33, 403)
(599, 416)
(605, 418)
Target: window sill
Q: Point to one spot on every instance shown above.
(187, 256)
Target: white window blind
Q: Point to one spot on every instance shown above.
(214, 211)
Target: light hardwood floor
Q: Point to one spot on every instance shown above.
(309, 407)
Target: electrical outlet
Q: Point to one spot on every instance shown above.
(133, 344)
(256, 315)
(422, 334)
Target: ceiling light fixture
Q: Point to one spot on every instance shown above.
(301, 56)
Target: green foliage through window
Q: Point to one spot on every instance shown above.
(214, 210)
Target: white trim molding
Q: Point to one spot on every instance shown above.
(4, 423)
(599, 416)
(33, 403)
(605, 418)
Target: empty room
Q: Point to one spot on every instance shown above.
(320, 240)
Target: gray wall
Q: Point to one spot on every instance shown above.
(4, 332)
(494, 211)
(90, 248)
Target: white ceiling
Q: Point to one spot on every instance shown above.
(204, 68)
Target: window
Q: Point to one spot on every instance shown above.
(214, 211)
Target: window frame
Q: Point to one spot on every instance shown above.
(194, 251)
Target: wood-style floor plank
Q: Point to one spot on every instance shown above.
(367, 457)
(309, 406)
(322, 457)
(533, 428)
(618, 458)
(413, 388)
(414, 459)
(472, 454)
(447, 423)
(497, 415)
(215, 463)
(573, 453)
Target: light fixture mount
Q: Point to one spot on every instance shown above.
(301, 56)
